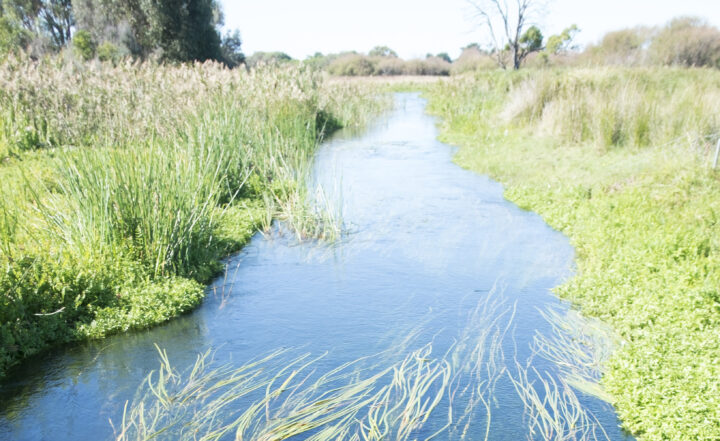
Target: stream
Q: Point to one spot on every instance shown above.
(435, 263)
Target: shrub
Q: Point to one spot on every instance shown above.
(390, 66)
(624, 47)
(271, 58)
(687, 41)
(472, 59)
(84, 45)
(13, 38)
(108, 52)
(435, 66)
(353, 65)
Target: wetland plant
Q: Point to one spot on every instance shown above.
(408, 392)
(124, 185)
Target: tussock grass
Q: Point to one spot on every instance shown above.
(619, 160)
(122, 187)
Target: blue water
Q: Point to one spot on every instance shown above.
(426, 242)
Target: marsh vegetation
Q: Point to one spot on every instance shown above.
(123, 186)
(126, 180)
(621, 161)
(409, 391)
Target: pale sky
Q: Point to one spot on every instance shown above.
(415, 27)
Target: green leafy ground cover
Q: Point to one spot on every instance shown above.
(618, 160)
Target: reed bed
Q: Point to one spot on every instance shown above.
(123, 186)
(620, 160)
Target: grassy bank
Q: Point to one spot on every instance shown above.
(122, 187)
(619, 160)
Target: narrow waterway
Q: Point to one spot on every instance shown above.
(427, 243)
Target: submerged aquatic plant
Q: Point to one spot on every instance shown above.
(405, 393)
(553, 410)
(209, 403)
(580, 347)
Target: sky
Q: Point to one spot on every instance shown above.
(414, 28)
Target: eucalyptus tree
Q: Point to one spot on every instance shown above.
(43, 18)
(509, 25)
(174, 30)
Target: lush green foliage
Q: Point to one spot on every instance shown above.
(84, 45)
(122, 187)
(619, 161)
(561, 42)
(13, 37)
(169, 30)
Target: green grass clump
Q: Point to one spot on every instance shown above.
(122, 187)
(618, 159)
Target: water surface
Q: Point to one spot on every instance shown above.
(427, 241)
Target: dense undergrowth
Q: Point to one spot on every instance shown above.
(619, 160)
(122, 187)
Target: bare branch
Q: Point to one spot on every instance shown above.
(513, 20)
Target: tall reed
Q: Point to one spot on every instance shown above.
(125, 185)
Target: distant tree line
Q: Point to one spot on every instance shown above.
(683, 42)
(168, 30)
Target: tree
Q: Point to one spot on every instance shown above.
(231, 52)
(13, 37)
(530, 41)
(505, 24)
(51, 18)
(107, 21)
(382, 51)
(177, 30)
(557, 44)
(56, 17)
(444, 56)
